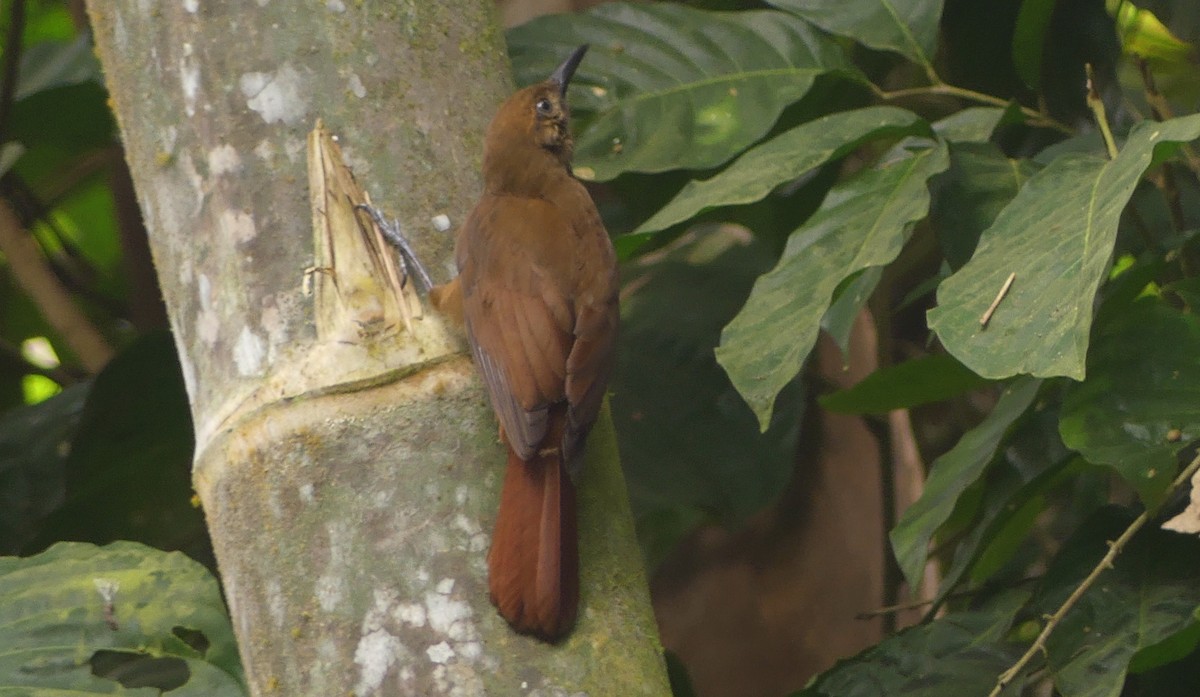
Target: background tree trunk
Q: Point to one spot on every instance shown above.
(349, 486)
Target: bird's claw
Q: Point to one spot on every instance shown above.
(391, 232)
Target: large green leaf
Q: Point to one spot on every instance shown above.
(863, 222)
(1147, 597)
(690, 448)
(667, 87)
(904, 385)
(783, 159)
(909, 27)
(957, 655)
(60, 607)
(34, 442)
(1057, 236)
(951, 474)
(1140, 403)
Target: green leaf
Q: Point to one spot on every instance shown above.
(848, 301)
(50, 64)
(980, 182)
(1148, 596)
(690, 448)
(58, 608)
(908, 27)
(1143, 383)
(34, 443)
(971, 125)
(1057, 236)
(668, 87)
(782, 159)
(905, 385)
(863, 222)
(960, 654)
(951, 474)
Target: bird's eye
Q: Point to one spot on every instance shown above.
(544, 107)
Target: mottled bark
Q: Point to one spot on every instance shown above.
(349, 485)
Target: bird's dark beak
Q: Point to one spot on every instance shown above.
(562, 75)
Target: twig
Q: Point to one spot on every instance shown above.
(1039, 644)
(33, 273)
(1161, 109)
(1035, 117)
(922, 602)
(1096, 104)
(987, 314)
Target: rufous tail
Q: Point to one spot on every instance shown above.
(533, 566)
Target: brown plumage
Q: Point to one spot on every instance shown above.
(537, 291)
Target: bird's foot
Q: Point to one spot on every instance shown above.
(392, 233)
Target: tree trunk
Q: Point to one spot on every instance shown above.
(349, 480)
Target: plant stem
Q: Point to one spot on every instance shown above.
(1096, 104)
(941, 88)
(1114, 548)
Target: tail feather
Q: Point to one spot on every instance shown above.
(533, 565)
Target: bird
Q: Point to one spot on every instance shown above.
(537, 294)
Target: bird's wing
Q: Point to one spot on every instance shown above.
(519, 317)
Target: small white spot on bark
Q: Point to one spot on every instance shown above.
(335, 5)
(440, 652)
(411, 614)
(120, 35)
(460, 495)
(470, 650)
(265, 150)
(381, 499)
(478, 543)
(330, 590)
(208, 325)
(375, 653)
(276, 97)
(237, 225)
(275, 603)
(248, 353)
(306, 493)
(441, 222)
(423, 574)
(191, 5)
(445, 585)
(357, 88)
(465, 524)
(204, 287)
(189, 78)
(443, 612)
(223, 159)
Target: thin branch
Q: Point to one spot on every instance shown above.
(1096, 104)
(34, 274)
(1161, 109)
(1035, 117)
(1039, 644)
